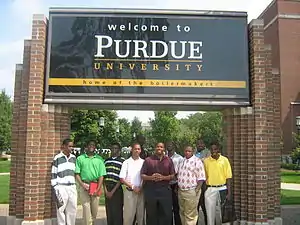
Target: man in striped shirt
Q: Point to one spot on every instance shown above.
(63, 183)
(112, 187)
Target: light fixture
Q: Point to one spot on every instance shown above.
(101, 121)
(298, 121)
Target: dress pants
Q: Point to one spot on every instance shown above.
(90, 206)
(114, 206)
(214, 197)
(176, 216)
(188, 202)
(66, 213)
(158, 204)
(133, 204)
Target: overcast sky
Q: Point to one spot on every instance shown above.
(16, 17)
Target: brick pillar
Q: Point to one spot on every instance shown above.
(14, 140)
(236, 162)
(270, 127)
(277, 141)
(256, 139)
(55, 121)
(37, 135)
(250, 151)
(22, 132)
(244, 159)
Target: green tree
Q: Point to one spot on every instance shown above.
(5, 121)
(125, 136)
(164, 126)
(207, 126)
(136, 127)
(85, 126)
(185, 136)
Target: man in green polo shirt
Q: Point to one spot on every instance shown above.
(90, 170)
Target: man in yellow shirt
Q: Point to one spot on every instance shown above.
(218, 175)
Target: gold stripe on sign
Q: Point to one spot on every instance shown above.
(146, 83)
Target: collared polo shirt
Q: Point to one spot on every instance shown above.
(152, 165)
(63, 170)
(113, 167)
(131, 171)
(217, 171)
(190, 171)
(90, 168)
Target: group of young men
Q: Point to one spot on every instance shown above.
(164, 188)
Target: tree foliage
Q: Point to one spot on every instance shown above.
(124, 135)
(5, 121)
(164, 126)
(136, 126)
(85, 126)
(207, 126)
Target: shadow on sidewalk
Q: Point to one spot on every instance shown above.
(99, 221)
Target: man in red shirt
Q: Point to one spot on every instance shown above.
(157, 172)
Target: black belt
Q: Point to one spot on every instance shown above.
(129, 189)
(67, 184)
(222, 185)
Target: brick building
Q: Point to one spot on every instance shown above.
(282, 32)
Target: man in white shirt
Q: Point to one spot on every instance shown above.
(191, 176)
(130, 176)
(176, 158)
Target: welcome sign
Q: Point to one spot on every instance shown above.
(147, 54)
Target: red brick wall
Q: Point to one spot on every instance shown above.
(284, 36)
(37, 133)
(15, 138)
(253, 138)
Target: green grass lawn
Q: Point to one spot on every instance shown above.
(289, 197)
(4, 166)
(288, 176)
(4, 189)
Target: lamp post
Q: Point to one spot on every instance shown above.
(117, 130)
(101, 125)
(298, 124)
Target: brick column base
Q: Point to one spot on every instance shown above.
(54, 127)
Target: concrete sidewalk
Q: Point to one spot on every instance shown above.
(289, 213)
(289, 186)
(101, 218)
(3, 174)
(101, 211)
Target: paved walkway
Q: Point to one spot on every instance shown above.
(101, 211)
(288, 186)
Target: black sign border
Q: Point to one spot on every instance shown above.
(191, 101)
